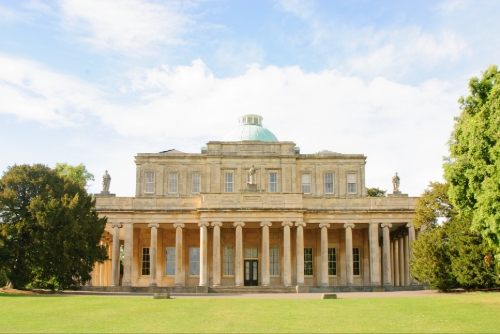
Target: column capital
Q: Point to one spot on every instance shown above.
(216, 224)
(266, 223)
(300, 223)
(346, 225)
(153, 225)
(179, 225)
(389, 225)
(286, 224)
(324, 225)
(409, 225)
(239, 224)
(119, 225)
(201, 224)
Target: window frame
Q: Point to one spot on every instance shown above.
(191, 261)
(198, 183)
(335, 261)
(273, 184)
(332, 183)
(152, 183)
(228, 184)
(305, 184)
(176, 183)
(167, 260)
(307, 260)
(358, 261)
(350, 183)
(145, 263)
(274, 266)
(227, 261)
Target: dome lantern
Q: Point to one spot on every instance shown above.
(250, 128)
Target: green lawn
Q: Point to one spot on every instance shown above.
(474, 312)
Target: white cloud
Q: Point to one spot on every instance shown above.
(303, 9)
(134, 27)
(8, 15)
(31, 91)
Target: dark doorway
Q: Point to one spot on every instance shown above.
(251, 273)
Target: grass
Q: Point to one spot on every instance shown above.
(472, 312)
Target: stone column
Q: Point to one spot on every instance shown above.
(300, 252)
(203, 253)
(406, 261)
(324, 254)
(402, 278)
(153, 251)
(216, 256)
(128, 250)
(396, 262)
(411, 239)
(238, 254)
(266, 280)
(115, 256)
(374, 255)
(348, 253)
(287, 256)
(387, 254)
(178, 254)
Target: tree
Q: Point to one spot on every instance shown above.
(375, 192)
(449, 255)
(78, 173)
(473, 167)
(49, 228)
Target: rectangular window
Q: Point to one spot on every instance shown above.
(196, 188)
(145, 261)
(308, 261)
(228, 182)
(170, 265)
(273, 182)
(328, 183)
(251, 253)
(194, 261)
(150, 182)
(228, 261)
(306, 183)
(355, 261)
(351, 183)
(274, 261)
(173, 184)
(332, 262)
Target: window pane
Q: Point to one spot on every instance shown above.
(228, 261)
(196, 183)
(274, 261)
(251, 253)
(329, 183)
(173, 184)
(306, 183)
(332, 261)
(351, 183)
(308, 261)
(273, 182)
(355, 261)
(194, 261)
(170, 265)
(145, 261)
(228, 182)
(150, 182)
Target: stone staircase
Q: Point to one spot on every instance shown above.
(252, 289)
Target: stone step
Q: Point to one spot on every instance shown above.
(252, 289)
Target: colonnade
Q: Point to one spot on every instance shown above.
(396, 254)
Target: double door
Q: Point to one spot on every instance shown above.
(251, 275)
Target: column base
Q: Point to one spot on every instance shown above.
(325, 284)
(153, 285)
(178, 284)
(302, 288)
(127, 284)
(114, 285)
(201, 289)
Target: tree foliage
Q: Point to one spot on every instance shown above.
(77, 173)
(49, 229)
(450, 255)
(375, 192)
(473, 167)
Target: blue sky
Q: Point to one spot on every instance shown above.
(97, 81)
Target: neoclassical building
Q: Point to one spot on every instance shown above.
(253, 211)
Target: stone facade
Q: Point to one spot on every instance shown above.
(308, 223)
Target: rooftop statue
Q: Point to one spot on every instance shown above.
(106, 181)
(395, 183)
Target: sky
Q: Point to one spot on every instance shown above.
(98, 81)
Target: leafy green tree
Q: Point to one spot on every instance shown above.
(49, 228)
(78, 173)
(375, 192)
(473, 167)
(449, 255)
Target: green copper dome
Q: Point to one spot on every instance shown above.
(250, 128)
